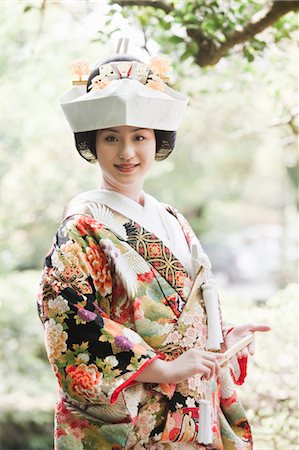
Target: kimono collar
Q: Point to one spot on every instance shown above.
(153, 216)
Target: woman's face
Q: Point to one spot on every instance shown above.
(125, 154)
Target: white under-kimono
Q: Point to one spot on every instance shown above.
(115, 296)
(152, 216)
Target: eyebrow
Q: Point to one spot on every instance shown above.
(116, 131)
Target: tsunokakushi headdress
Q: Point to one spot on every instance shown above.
(123, 91)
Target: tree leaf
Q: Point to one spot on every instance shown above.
(27, 8)
(176, 39)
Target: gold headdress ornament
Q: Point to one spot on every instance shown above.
(123, 93)
(159, 66)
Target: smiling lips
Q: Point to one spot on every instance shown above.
(126, 167)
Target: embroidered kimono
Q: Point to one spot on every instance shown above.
(113, 298)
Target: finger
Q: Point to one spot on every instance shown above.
(262, 328)
(214, 366)
(242, 353)
(211, 366)
(206, 373)
(244, 328)
(217, 369)
(249, 327)
(211, 356)
(251, 348)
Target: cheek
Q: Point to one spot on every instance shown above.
(101, 149)
(103, 154)
(150, 152)
(103, 160)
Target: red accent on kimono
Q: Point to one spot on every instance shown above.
(130, 380)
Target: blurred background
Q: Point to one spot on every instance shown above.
(233, 174)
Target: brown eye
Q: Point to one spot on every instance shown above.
(139, 138)
(111, 138)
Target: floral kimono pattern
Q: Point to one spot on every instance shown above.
(113, 298)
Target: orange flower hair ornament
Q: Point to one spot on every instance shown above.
(123, 92)
(80, 70)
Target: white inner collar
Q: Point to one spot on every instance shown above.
(153, 217)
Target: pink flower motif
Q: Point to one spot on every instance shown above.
(87, 316)
(137, 302)
(78, 433)
(174, 337)
(59, 432)
(146, 277)
(143, 420)
(123, 343)
(188, 319)
(138, 311)
(191, 332)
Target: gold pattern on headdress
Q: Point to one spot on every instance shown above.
(80, 70)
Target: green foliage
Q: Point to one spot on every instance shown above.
(26, 431)
(285, 28)
(204, 23)
(27, 8)
(29, 387)
(270, 391)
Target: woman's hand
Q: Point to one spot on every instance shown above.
(191, 362)
(239, 332)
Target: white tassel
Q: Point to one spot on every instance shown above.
(205, 423)
(210, 297)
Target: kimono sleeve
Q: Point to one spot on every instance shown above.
(93, 357)
(238, 366)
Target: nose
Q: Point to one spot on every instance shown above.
(127, 150)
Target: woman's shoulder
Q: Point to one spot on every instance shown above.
(173, 210)
(155, 202)
(79, 204)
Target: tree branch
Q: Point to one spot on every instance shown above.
(154, 3)
(210, 54)
(278, 9)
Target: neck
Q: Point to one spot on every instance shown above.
(134, 192)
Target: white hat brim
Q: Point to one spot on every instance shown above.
(123, 102)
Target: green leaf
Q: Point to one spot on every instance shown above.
(143, 19)
(190, 18)
(257, 44)
(165, 25)
(176, 39)
(80, 348)
(187, 54)
(248, 54)
(27, 8)
(100, 363)
(192, 26)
